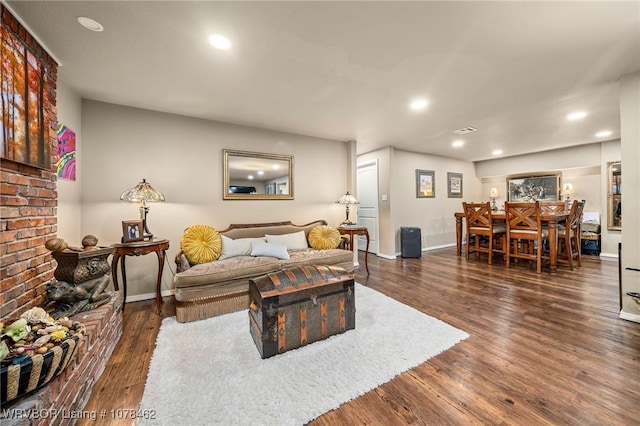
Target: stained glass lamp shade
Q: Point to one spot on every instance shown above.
(347, 199)
(143, 193)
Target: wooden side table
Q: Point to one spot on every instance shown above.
(357, 230)
(139, 248)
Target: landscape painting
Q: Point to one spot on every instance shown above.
(532, 188)
(23, 89)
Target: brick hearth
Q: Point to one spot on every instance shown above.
(62, 400)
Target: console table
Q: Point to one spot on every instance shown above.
(139, 248)
(357, 230)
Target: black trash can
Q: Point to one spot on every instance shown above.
(410, 242)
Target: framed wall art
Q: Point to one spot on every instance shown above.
(25, 124)
(66, 153)
(454, 185)
(532, 188)
(425, 183)
(132, 231)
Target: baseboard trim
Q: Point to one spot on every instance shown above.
(148, 296)
(387, 256)
(629, 317)
(612, 255)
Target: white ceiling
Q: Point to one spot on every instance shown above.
(348, 70)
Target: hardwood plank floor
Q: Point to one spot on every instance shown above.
(543, 349)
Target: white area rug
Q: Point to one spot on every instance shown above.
(210, 372)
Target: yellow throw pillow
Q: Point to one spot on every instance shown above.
(324, 237)
(201, 244)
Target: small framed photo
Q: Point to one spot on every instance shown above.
(454, 185)
(425, 183)
(132, 231)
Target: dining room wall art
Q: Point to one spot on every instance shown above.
(533, 187)
(425, 183)
(454, 185)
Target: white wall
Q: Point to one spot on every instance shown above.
(69, 107)
(434, 216)
(182, 158)
(630, 132)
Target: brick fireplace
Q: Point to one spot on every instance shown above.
(28, 206)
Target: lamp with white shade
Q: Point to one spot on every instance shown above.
(493, 194)
(567, 189)
(347, 199)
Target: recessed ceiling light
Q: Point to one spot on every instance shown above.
(260, 173)
(457, 144)
(418, 104)
(497, 152)
(604, 134)
(219, 41)
(90, 24)
(250, 177)
(578, 115)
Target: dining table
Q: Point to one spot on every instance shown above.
(550, 219)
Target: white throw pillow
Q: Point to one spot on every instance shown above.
(240, 247)
(294, 241)
(270, 250)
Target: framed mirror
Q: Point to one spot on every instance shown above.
(614, 196)
(256, 176)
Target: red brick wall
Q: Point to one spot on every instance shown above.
(28, 200)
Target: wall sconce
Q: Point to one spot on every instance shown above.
(567, 189)
(143, 193)
(493, 195)
(347, 199)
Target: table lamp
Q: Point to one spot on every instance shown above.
(567, 189)
(347, 199)
(493, 195)
(143, 193)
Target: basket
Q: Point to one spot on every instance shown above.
(21, 376)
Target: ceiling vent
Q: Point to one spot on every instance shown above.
(465, 130)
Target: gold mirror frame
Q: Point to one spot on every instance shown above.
(614, 196)
(272, 176)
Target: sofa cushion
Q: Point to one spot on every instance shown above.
(240, 247)
(278, 251)
(293, 241)
(312, 256)
(225, 270)
(201, 244)
(324, 237)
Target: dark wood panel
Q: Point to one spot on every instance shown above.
(543, 349)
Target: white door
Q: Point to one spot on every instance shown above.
(367, 186)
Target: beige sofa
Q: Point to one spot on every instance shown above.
(222, 286)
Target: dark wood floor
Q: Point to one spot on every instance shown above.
(543, 349)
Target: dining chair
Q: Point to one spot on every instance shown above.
(553, 206)
(525, 234)
(569, 236)
(480, 225)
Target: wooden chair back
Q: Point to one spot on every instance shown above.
(575, 215)
(553, 206)
(523, 217)
(477, 215)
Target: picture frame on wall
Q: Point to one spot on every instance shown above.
(132, 231)
(531, 188)
(454, 185)
(425, 183)
(25, 92)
